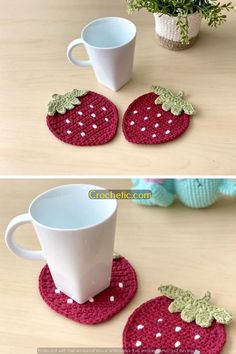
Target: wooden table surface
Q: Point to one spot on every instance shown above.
(33, 65)
(193, 249)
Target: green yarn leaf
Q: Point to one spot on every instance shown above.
(192, 309)
(177, 305)
(222, 316)
(204, 317)
(52, 108)
(171, 291)
(174, 103)
(116, 256)
(61, 103)
(189, 109)
(167, 105)
(61, 109)
(188, 314)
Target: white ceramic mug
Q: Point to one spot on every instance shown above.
(110, 44)
(76, 235)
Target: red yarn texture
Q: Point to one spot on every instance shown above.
(102, 308)
(93, 122)
(147, 123)
(165, 333)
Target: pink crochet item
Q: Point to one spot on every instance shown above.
(93, 122)
(155, 180)
(103, 306)
(152, 327)
(145, 122)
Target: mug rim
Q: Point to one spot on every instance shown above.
(109, 18)
(75, 228)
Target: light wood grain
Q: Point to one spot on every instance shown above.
(193, 249)
(33, 65)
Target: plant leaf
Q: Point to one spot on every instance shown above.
(222, 316)
(211, 10)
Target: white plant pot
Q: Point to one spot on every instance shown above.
(169, 34)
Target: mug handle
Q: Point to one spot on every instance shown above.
(72, 59)
(13, 246)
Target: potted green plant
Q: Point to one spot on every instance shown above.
(178, 21)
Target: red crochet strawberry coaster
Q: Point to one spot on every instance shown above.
(100, 308)
(157, 325)
(82, 118)
(157, 117)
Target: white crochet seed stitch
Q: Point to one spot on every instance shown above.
(112, 299)
(158, 335)
(121, 285)
(157, 351)
(138, 343)
(132, 123)
(177, 344)
(197, 337)
(67, 121)
(178, 329)
(69, 301)
(140, 326)
(166, 26)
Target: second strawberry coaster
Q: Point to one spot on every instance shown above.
(157, 117)
(82, 118)
(176, 323)
(100, 308)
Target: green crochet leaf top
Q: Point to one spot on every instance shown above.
(61, 103)
(192, 309)
(174, 103)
